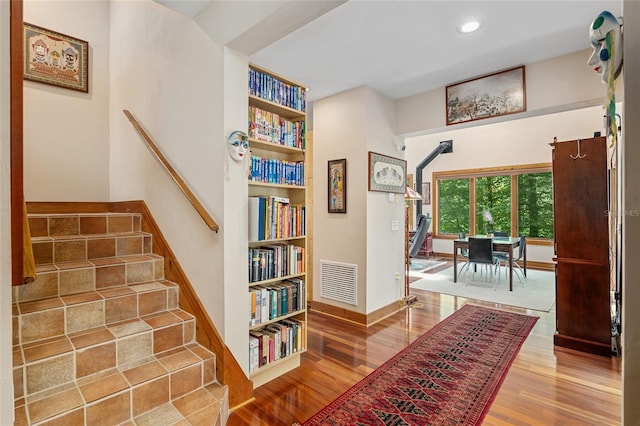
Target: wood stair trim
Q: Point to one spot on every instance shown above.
(229, 371)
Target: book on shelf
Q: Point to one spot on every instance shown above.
(274, 217)
(255, 303)
(259, 347)
(274, 90)
(254, 356)
(275, 335)
(274, 261)
(275, 341)
(270, 127)
(272, 170)
(270, 302)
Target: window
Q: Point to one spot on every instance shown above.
(516, 199)
(535, 205)
(454, 196)
(493, 198)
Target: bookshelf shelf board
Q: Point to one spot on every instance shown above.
(275, 364)
(275, 369)
(280, 318)
(272, 146)
(283, 111)
(275, 185)
(276, 240)
(275, 280)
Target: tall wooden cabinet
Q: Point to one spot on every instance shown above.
(583, 290)
(278, 208)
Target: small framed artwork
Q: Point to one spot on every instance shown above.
(337, 180)
(492, 95)
(56, 59)
(426, 193)
(387, 174)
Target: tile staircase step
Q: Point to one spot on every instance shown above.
(78, 237)
(99, 337)
(45, 225)
(53, 377)
(57, 315)
(60, 279)
(113, 398)
(77, 248)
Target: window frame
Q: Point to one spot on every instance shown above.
(513, 171)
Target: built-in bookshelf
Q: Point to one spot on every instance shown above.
(277, 248)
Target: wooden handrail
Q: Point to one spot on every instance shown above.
(174, 175)
(16, 143)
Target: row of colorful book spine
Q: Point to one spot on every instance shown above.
(275, 341)
(272, 170)
(270, 88)
(272, 301)
(275, 261)
(271, 127)
(274, 217)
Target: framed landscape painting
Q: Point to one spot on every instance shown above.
(387, 174)
(337, 190)
(426, 193)
(492, 95)
(56, 59)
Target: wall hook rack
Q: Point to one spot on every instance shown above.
(578, 155)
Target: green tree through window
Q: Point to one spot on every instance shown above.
(519, 199)
(535, 205)
(453, 211)
(493, 195)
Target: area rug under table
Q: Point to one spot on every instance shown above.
(448, 376)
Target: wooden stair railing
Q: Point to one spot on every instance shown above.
(16, 49)
(174, 175)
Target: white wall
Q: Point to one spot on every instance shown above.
(385, 246)
(349, 125)
(66, 132)
(6, 330)
(631, 221)
(339, 132)
(169, 74)
(558, 84)
(519, 142)
(236, 212)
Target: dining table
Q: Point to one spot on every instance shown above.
(503, 244)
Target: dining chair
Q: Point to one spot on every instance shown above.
(481, 254)
(502, 258)
(499, 234)
(464, 253)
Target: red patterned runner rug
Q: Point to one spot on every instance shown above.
(448, 376)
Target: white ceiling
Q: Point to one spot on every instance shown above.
(404, 47)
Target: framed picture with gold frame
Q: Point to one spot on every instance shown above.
(491, 95)
(337, 190)
(387, 174)
(56, 59)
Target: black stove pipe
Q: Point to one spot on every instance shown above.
(443, 148)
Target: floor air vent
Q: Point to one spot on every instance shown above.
(339, 281)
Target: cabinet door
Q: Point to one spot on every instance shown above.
(583, 317)
(580, 200)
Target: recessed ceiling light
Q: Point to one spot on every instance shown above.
(469, 27)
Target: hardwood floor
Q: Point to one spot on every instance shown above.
(546, 385)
